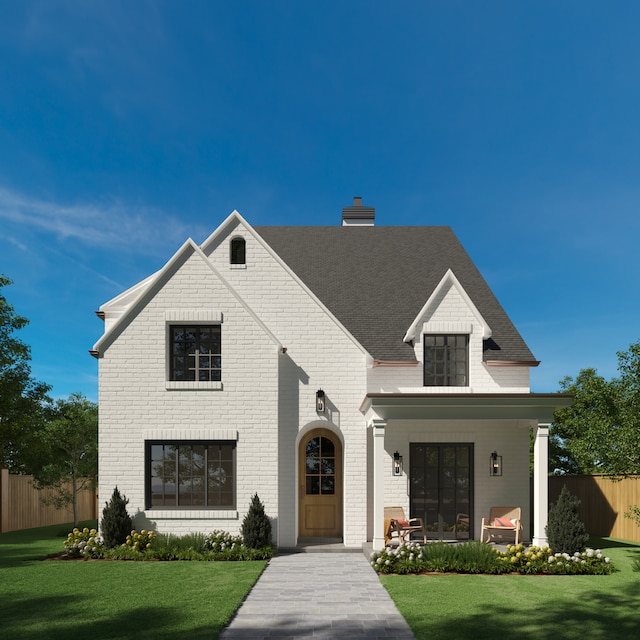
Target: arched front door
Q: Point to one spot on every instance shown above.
(320, 485)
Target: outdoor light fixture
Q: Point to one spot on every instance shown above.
(397, 464)
(495, 465)
(320, 401)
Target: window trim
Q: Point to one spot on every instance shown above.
(452, 334)
(227, 509)
(194, 317)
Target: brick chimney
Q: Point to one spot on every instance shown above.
(357, 215)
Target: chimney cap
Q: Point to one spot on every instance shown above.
(357, 214)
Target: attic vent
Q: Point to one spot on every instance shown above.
(357, 215)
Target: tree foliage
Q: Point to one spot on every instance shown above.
(66, 457)
(23, 400)
(600, 431)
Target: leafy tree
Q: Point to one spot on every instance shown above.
(23, 400)
(601, 429)
(564, 528)
(256, 526)
(67, 451)
(116, 523)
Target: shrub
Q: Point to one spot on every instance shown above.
(256, 526)
(565, 530)
(140, 541)
(116, 522)
(477, 557)
(218, 541)
(84, 544)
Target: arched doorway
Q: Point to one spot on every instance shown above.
(320, 485)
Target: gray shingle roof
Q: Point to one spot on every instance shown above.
(375, 280)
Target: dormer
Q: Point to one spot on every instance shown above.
(447, 335)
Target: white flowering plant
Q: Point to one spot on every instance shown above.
(84, 543)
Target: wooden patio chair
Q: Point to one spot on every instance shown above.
(398, 527)
(502, 521)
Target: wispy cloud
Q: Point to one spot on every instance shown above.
(114, 225)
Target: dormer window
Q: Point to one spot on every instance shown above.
(238, 251)
(446, 360)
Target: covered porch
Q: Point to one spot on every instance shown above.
(384, 412)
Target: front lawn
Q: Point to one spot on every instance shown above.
(525, 607)
(102, 600)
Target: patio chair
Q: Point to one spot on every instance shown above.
(502, 521)
(401, 528)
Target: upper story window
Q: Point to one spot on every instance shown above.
(238, 249)
(195, 353)
(446, 360)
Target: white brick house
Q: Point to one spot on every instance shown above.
(331, 370)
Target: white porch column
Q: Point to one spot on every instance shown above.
(540, 484)
(379, 459)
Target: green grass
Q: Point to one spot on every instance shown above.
(58, 600)
(525, 607)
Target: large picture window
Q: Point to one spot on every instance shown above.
(190, 474)
(446, 360)
(195, 353)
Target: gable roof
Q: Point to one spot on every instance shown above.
(136, 297)
(375, 280)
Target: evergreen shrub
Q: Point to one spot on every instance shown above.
(116, 523)
(565, 531)
(256, 526)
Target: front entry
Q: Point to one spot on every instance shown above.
(442, 489)
(320, 485)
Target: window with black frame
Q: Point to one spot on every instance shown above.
(195, 353)
(190, 474)
(238, 251)
(446, 360)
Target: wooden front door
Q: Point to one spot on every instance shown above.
(320, 485)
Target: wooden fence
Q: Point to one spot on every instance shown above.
(603, 503)
(21, 505)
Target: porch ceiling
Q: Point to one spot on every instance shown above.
(535, 407)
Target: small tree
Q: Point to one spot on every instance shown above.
(67, 454)
(565, 530)
(116, 523)
(256, 526)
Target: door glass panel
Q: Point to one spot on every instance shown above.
(313, 448)
(320, 466)
(327, 447)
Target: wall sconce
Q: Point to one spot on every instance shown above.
(495, 464)
(397, 464)
(320, 401)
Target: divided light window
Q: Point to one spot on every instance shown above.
(446, 360)
(190, 474)
(195, 353)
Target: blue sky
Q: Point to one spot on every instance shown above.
(126, 127)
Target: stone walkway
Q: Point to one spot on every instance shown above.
(321, 596)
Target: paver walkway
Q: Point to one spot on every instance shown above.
(321, 596)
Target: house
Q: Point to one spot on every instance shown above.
(333, 371)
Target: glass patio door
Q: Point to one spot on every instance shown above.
(442, 489)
